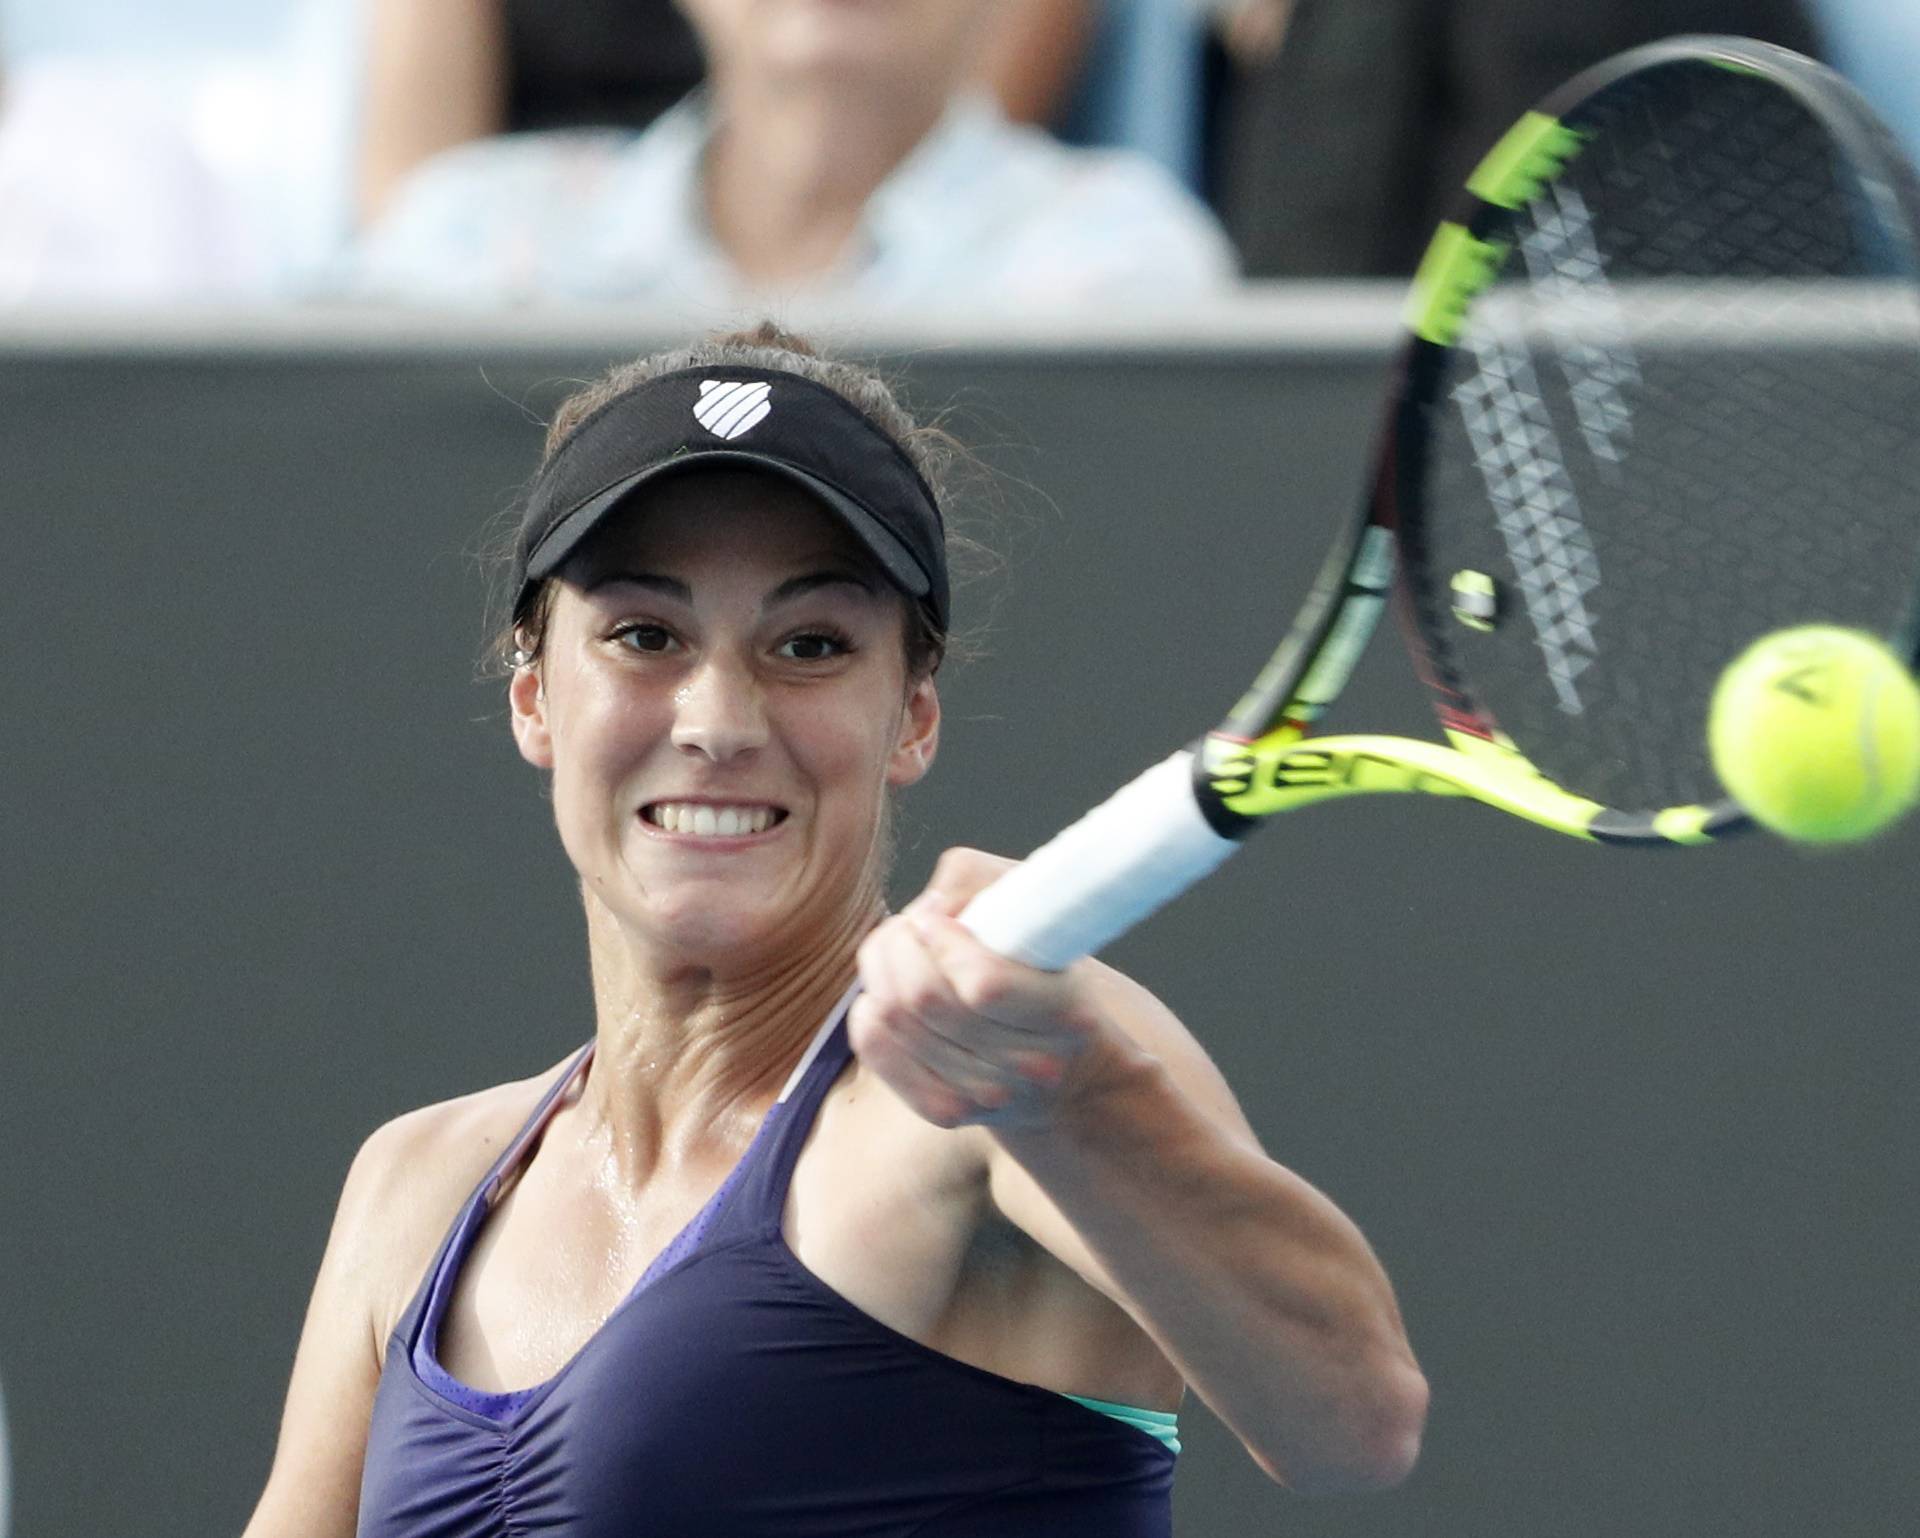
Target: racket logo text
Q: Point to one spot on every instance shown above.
(1279, 774)
(1256, 784)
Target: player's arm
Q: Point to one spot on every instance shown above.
(1262, 1293)
(1133, 1165)
(313, 1489)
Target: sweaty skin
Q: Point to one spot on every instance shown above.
(1039, 1175)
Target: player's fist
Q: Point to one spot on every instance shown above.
(958, 1032)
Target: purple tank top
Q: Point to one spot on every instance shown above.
(733, 1394)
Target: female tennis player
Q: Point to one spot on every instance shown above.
(840, 1224)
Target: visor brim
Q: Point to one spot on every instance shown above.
(572, 531)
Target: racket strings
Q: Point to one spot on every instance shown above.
(1683, 413)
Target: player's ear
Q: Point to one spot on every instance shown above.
(919, 737)
(527, 699)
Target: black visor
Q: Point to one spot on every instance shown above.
(765, 419)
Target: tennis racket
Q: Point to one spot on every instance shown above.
(1660, 396)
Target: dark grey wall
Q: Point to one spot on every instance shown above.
(1634, 1133)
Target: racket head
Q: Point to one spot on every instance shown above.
(1662, 397)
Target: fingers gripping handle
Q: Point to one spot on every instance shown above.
(1092, 882)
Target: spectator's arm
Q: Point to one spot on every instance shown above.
(436, 77)
(1033, 58)
(1251, 30)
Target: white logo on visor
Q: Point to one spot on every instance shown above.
(729, 407)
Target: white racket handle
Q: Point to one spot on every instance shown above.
(1093, 881)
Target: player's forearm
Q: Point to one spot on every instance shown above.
(1265, 1297)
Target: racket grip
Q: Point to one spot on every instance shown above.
(1094, 880)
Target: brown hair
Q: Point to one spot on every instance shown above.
(934, 452)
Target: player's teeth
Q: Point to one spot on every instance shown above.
(712, 822)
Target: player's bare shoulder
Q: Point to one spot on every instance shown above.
(411, 1176)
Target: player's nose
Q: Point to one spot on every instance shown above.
(719, 711)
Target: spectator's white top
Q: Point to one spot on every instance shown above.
(982, 211)
(103, 200)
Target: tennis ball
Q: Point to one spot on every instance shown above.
(1815, 731)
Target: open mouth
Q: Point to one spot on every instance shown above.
(706, 819)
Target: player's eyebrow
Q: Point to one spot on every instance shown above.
(808, 582)
(666, 587)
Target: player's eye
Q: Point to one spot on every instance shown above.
(814, 646)
(641, 637)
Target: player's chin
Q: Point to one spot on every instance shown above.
(717, 907)
(718, 941)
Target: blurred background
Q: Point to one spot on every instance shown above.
(286, 291)
(421, 150)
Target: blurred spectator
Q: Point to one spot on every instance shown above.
(103, 198)
(1346, 128)
(837, 150)
(442, 72)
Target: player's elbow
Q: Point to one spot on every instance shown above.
(1372, 1446)
(1388, 1443)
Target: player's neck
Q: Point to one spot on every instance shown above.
(687, 1051)
(788, 173)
